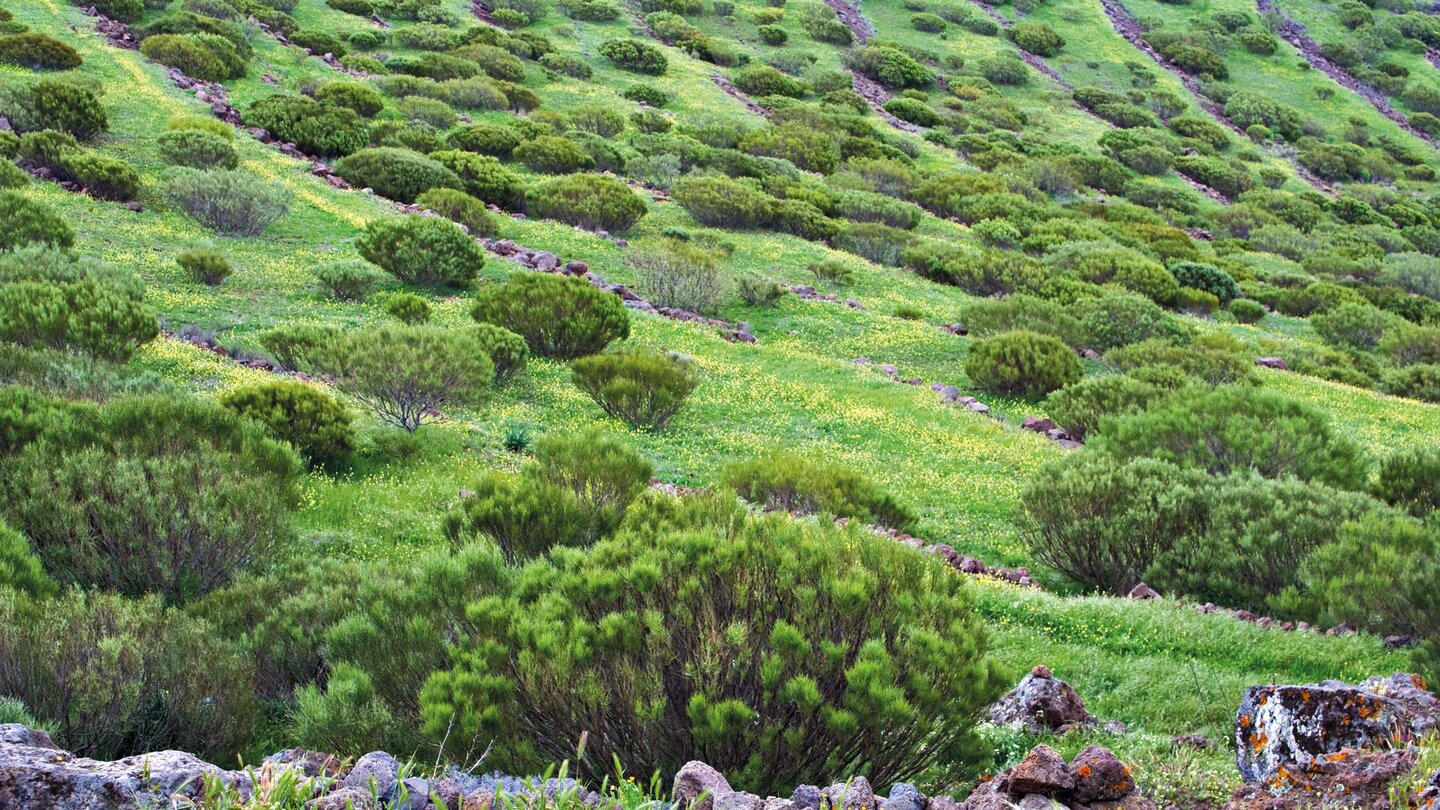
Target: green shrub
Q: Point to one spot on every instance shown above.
(916, 112)
(1020, 312)
(319, 42)
(24, 221)
(558, 316)
(485, 138)
(929, 23)
(206, 57)
(723, 202)
(874, 241)
(597, 11)
(785, 482)
(398, 174)
(20, 568)
(231, 203)
(37, 52)
(1037, 38)
(205, 266)
(1081, 407)
(197, 149)
(1410, 479)
(553, 154)
(645, 389)
(161, 494)
(1003, 70)
(647, 94)
(12, 176)
(315, 128)
(103, 177)
(348, 279)
(746, 571)
(680, 276)
(758, 291)
(566, 65)
(589, 201)
(1216, 174)
(773, 35)
(505, 349)
(861, 206)
(406, 374)
(1215, 358)
(1121, 319)
(428, 112)
(460, 208)
(635, 55)
(1259, 42)
(1238, 428)
(352, 95)
(1023, 364)
(764, 80)
(299, 346)
(66, 107)
(1353, 325)
(892, 67)
(203, 123)
(481, 176)
(115, 675)
(421, 250)
(54, 300)
(316, 424)
(1206, 277)
(408, 308)
(1247, 311)
(1420, 381)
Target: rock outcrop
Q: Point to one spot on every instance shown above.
(1041, 704)
(1095, 779)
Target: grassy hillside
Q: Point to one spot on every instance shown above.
(1161, 668)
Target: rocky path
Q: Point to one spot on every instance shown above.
(1295, 34)
(1129, 28)
(735, 93)
(1030, 59)
(867, 88)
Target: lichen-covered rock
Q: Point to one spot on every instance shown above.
(1099, 776)
(377, 771)
(856, 794)
(45, 777)
(696, 779)
(1043, 771)
(1040, 703)
(16, 734)
(806, 797)
(904, 796)
(738, 800)
(345, 798)
(1280, 726)
(1358, 780)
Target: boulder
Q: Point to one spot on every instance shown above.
(346, 798)
(308, 763)
(695, 779)
(1272, 362)
(777, 803)
(1035, 801)
(1359, 780)
(904, 796)
(16, 734)
(377, 771)
(1143, 591)
(738, 800)
(1284, 727)
(46, 777)
(1099, 776)
(991, 795)
(449, 794)
(1042, 771)
(856, 794)
(806, 797)
(479, 799)
(1040, 703)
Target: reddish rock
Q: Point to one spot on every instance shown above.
(1042, 771)
(1357, 780)
(1272, 362)
(1099, 776)
(1143, 591)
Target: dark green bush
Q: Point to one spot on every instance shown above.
(398, 174)
(348, 279)
(723, 202)
(773, 35)
(1420, 381)
(635, 55)
(37, 52)
(12, 176)
(116, 675)
(1247, 311)
(460, 208)
(104, 177)
(589, 201)
(1206, 277)
(319, 42)
(553, 154)
(874, 241)
(1353, 325)
(314, 128)
(764, 80)
(50, 299)
(1121, 319)
(1081, 407)
(506, 349)
(66, 107)
(785, 482)
(929, 23)
(1037, 38)
(572, 66)
(353, 95)
(20, 568)
(485, 138)
(1003, 70)
(408, 308)
(24, 221)
(647, 94)
(1410, 479)
(558, 316)
(1238, 428)
(1020, 312)
(316, 424)
(643, 388)
(706, 564)
(205, 266)
(197, 149)
(1023, 364)
(207, 57)
(892, 67)
(231, 203)
(481, 176)
(421, 250)
(916, 112)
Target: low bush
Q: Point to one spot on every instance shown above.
(408, 308)
(1247, 311)
(1420, 381)
(66, 107)
(460, 208)
(773, 35)
(505, 349)
(1080, 408)
(398, 174)
(205, 266)
(318, 129)
(1214, 359)
(553, 154)
(1206, 277)
(1121, 319)
(680, 276)
(421, 250)
(785, 482)
(231, 203)
(103, 177)
(1410, 479)
(25, 221)
(892, 67)
(566, 65)
(723, 202)
(645, 389)
(352, 95)
(558, 316)
(1037, 38)
(206, 57)
(589, 201)
(635, 55)
(1020, 312)
(481, 176)
(348, 279)
(758, 291)
(20, 568)
(37, 51)
(197, 149)
(485, 138)
(316, 424)
(1023, 364)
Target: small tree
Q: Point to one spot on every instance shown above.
(558, 316)
(405, 374)
(645, 389)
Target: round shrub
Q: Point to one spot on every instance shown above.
(647, 94)
(589, 201)
(315, 128)
(764, 80)
(231, 203)
(319, 42)
(205, 266)
(104, 177)
(1420, 381)
(206, 57)
(558, 316)
(316, 424)
(916, 112)
(351, 95)
(929, 23)
(460, 208)
(66, 107)
(1037, 38)
(37, 52)
(506, 349)
(1119, 320)
(748, 569)
(398, 174)
(1004, 70)
(348, 279)
(635, 55)
(422, 250)
(485, 138)
(12, 176)
(645, 389)
(773, 35)
(566, 65)
(1247, 311)
(892, 67)
(1206, 277)
(794, 484)
(723, 202)
(203, 123)
(1410, 479)
(1079, 408)
(197, 149)
(408, 308)
(553, 154)
(24, 221)
(481, 176)
(1023, 364)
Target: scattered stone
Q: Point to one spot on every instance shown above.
(479, 799)
(1099, 776)
(1042, 771)
(1199, 741)
(738, 800)
(806, 797)
(1272, 362)
(1143, 591)
(343, 799)
(903, 796)
(377, 771)
(1359, 780)
(1040, 703)
(855, 794)
(696, 778)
